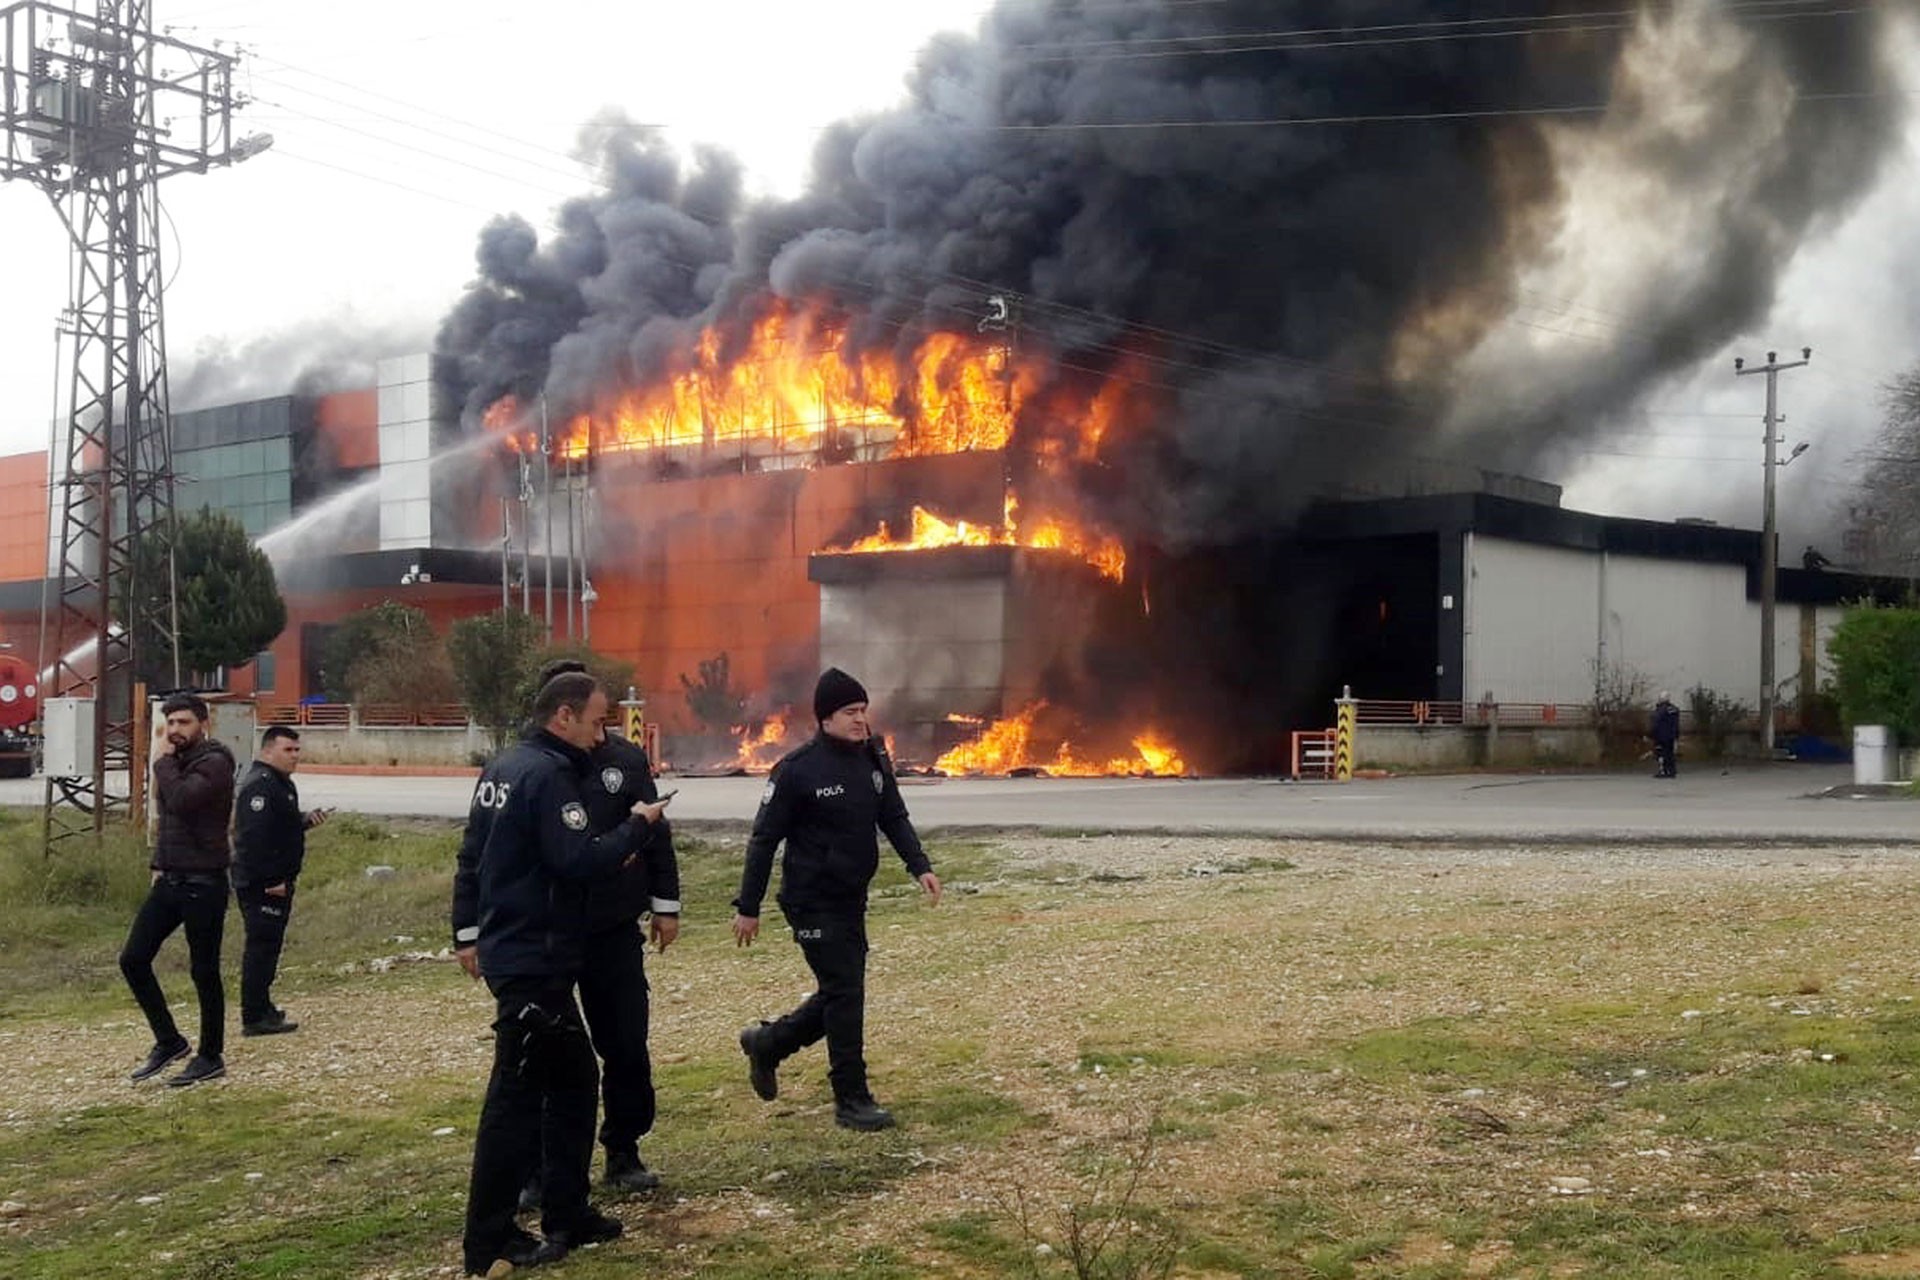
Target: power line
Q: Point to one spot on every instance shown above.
(1386, 117)
(386, 182)
(443, 158)
(1335, 38)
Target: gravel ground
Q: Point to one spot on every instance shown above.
(1273, 949)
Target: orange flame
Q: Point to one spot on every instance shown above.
(1009, 744)
(929, 530)
(798, 386)
(764, 749)
(504, 420)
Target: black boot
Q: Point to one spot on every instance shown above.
(862, 1113)
(762, 1066)
(523, 1250)
(593, 1227)
(626, 1171)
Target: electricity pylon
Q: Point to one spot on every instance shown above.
(95, 109)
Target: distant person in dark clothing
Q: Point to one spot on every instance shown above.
(1812, 559)
(1665, 732)
(824, 800)
(193, 796)
(269, 845)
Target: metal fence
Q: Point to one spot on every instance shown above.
(373, 715)
(1383, 711)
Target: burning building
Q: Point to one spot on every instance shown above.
(1118, 295)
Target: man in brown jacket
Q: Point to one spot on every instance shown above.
(193, 794)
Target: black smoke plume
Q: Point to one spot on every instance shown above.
(1306, 239)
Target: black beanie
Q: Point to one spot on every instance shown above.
(836, 689)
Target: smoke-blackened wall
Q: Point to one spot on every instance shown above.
(1304, 242)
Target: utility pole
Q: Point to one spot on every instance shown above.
(506, 545)
(546, 510)
(1000, 319)
(1769, 533)
(567, 475)
(95, 109)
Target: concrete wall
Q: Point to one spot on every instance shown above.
(327, 744)
(922, 648)
(1539, 619)
(1531, 621)
(975, 631)
(1411, 747)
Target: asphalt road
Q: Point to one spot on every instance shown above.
(1777, 803)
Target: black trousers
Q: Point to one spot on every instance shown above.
(264, 916)
(613, 995)
(836, 951)
(540, 1096)
(198, 901)
(1663, 752)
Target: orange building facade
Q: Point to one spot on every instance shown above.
(372, 495)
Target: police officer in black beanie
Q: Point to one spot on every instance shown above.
(825, 799)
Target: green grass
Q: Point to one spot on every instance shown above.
(1286, 1065)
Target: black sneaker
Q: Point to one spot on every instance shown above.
(160, 1058)
(274, 1024)
(592, 1227)
(863, 1114)
(201, 1068)
(627, 1172)
(522, 1250)
(762, 1067)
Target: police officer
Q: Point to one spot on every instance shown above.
(824, 799)
(613, 976)
(269, 845)
(517, 910)
(193, 794)
(1665, 732)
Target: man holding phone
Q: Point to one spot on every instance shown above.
(269, 846)
(613, 975)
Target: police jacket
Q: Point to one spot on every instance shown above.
(269, 829)
(825, 799)
(193, 793)
(526, 858)
(619, 776)
(1666, 724)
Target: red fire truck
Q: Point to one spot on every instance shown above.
(19, 712)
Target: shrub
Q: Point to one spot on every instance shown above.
(1876, 668)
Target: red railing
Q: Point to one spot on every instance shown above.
(375, 715)
(1384, 711)
(1313, 752)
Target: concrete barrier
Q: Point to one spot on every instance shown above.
(405, 745)
(1416, 747)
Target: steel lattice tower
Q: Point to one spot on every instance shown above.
(97, 109)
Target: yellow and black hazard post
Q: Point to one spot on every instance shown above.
(632, 711)
(1345, 727)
